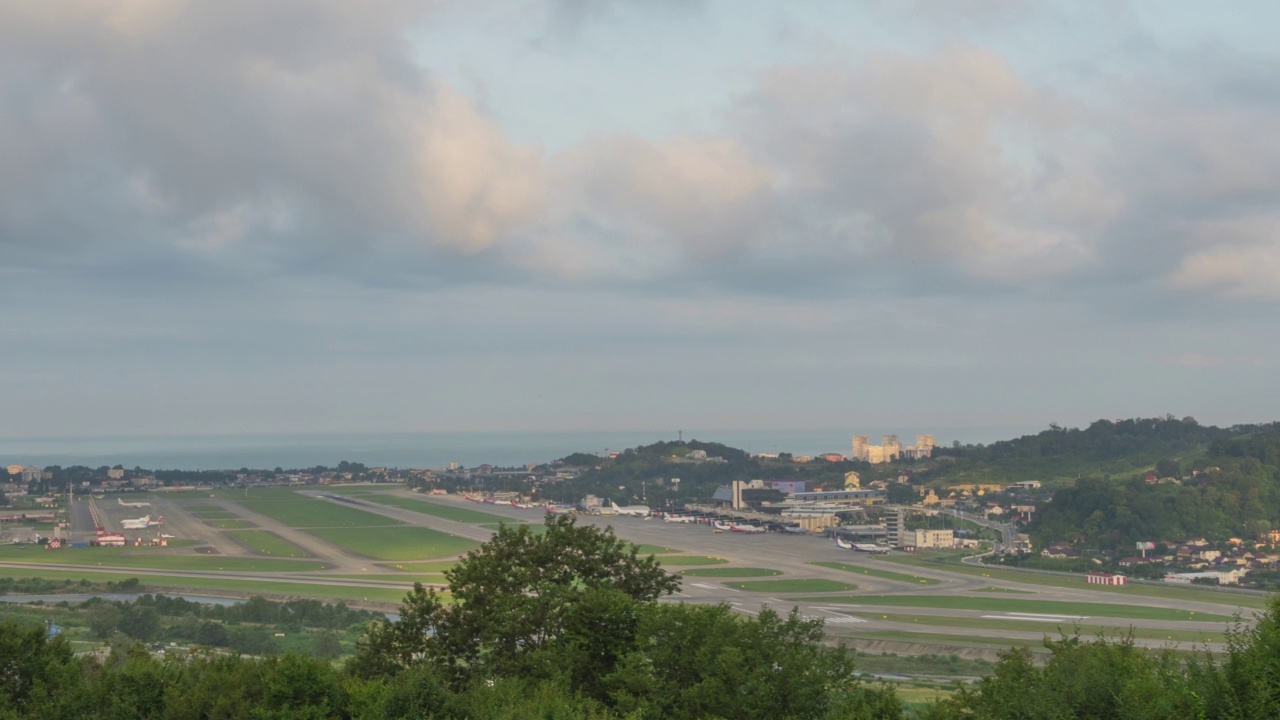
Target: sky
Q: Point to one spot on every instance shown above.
(321, 216)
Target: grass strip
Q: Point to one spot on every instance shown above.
(300, 511)
(246, 586)
(266, 543)
(445, 512)
(396, 543)
(878, 573)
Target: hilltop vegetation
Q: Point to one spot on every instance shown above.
(1108, 450)
(1231, 491)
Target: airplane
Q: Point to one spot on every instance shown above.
(631, 510)
(842, 544)
(132, 504)
(680, 519)
(721, 526)
(868, 548)
(750, 529)
(559, 509)
(794, 530)
(141, 523)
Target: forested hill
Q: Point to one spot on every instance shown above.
(646, 472)
(1117, 449)
(1232, 490)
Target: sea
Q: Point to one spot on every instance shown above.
(433, 449)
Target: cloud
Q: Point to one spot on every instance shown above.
(947, 158)
(304, 126)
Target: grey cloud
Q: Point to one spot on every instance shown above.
(302, 126)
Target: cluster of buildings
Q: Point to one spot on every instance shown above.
(1196, 560)
(890, 449)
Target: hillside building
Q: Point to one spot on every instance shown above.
(890, 449)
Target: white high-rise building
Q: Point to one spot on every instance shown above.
(891, 448)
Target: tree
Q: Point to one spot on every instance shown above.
(512, 598)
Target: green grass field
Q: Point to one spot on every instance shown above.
(440, 510)
(246, 586)
(877, 572)
(396, 543)
(1005, 604)
(792, 586)
(265, 543)
(681, 560)
(300, 511)
(731, 572)
(1034, 578)
(1052, 629)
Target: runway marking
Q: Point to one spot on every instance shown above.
(837, 620)
(1048, 615)
(706, 586)
(1036, 618)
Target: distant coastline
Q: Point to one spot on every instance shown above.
(428, 450)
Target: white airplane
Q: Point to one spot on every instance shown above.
(631, 510)
(141, 523)
(720, 526)
(132, 504)
(750, 529)
(794, 530)
(680, 519)
(868, 548)
(842, 544)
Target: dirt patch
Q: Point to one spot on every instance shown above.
(206, 550)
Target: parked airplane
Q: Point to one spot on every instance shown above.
(842, 544)
(794, 530)
(141, 523)
(680, 519)
(752, 529)
(720, 526)
(559, 509)
(873, 549)
(631, 510)
(132, 504)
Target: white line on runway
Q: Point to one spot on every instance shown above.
(1032, 619)
(1046, 615)
(837, 620)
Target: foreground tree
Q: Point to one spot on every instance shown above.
(511, 599)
